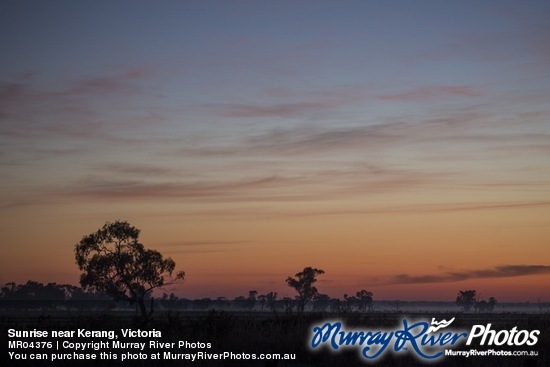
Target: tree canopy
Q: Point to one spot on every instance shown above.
(113, 261)
(303, 284)
(471, 299)
(466, 299)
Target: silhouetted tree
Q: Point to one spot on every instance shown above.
(491, 304)
(36, 291)
(396, 306)
(34, 294)
(168, 301)
(262, 300)
(114, 262)
(287, 304)
(252, 295)
(303, 284)
(202, 304)
(466, 299)
(482, 305)
(8, 289)
(221, 303)
(321, 302)
(246, 303)
(349, 303)
(365, 300)
(271, 300)
(239, 302)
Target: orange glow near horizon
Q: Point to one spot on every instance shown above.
(413, 163)
(230, 257)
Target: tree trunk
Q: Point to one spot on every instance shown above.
(152, 306)
(143, 310)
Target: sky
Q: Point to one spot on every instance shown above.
(402, 147)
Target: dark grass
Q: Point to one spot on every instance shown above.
(258, 332)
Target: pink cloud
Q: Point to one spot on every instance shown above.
(277, 110)
(98, 187)
(503, 271)
(117, 82)
(432, 92)
(26, 107)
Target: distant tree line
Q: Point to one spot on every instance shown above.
(51, 296)
(117, 268)
(471, 299)
(34, 294)
(362, 302)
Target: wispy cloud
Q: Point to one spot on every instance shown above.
(120, 82)
(432, 134)
(276, 110)
(139, 169)
(266, 212)
(101, 187)
(317, 183)
(68, 152)
(426, 208)
(424, 93)
(308, 140)
(203, 243)
(313, 140)
(503, 271)
(75, 108)
(199, 247)
(145, 183)
(322, 101)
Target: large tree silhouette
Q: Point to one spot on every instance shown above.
(114, 262)
(303, 284)
(365, 300)
(466, 299)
